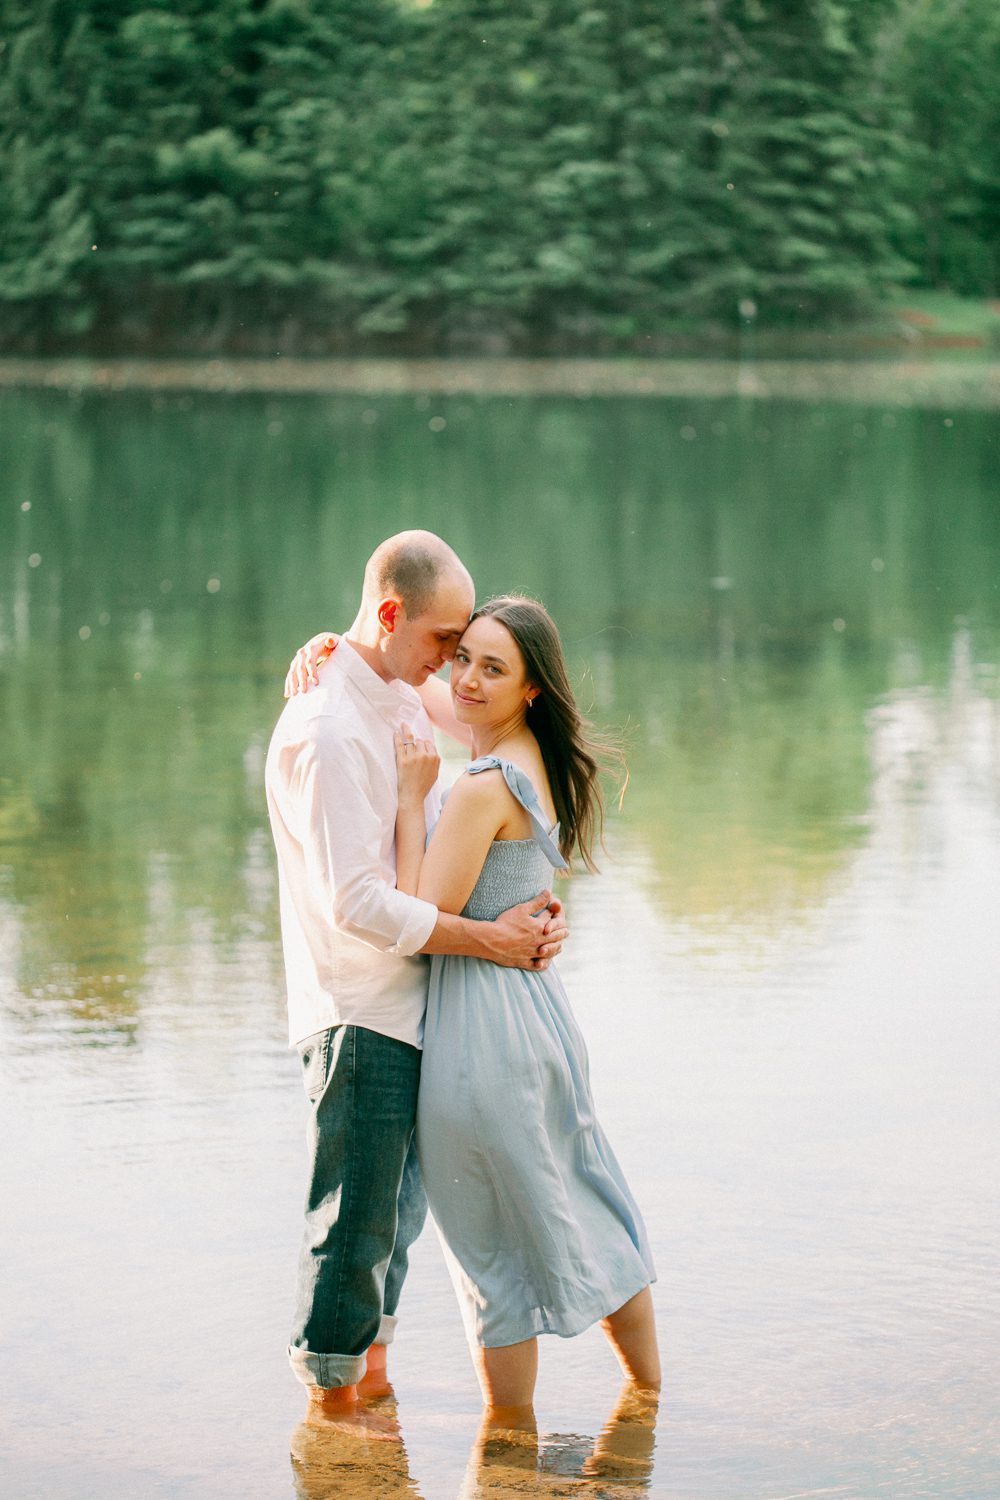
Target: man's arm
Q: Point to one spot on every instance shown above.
(526, 937)
(344, 841)
(333, 785)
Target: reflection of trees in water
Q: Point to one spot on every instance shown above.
(753, 795)
(614, 511)
(936, 757)
(135, 852)
(748, 790)
(740, 581)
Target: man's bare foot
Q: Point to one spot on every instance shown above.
(375, 1390)
(340, 1409)
(374, 1383)
(327, 1462)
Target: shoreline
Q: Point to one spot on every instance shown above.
(893, 382)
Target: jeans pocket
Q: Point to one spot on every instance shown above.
(314, 1055)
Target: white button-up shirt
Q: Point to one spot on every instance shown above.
(346, 931)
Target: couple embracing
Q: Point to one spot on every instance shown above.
(461, 1082)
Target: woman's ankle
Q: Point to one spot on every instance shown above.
(520, 1418)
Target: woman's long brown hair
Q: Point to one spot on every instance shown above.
(573, 752)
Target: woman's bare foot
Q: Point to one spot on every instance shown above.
(505, 1450)
(624, 1449)
(509, 1419)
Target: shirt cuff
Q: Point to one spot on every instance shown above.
(417, 928)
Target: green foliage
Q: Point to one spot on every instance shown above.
(945, 56)
(536, 174)
(181, 162)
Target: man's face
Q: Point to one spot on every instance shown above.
(418, 648)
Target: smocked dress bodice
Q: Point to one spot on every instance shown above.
(515, 869)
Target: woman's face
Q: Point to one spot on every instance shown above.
(488, 681)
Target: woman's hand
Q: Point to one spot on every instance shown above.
(307, 661)
(417, 766)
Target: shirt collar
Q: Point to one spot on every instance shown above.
(389, 699)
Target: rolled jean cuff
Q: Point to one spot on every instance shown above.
(386, 1329)
(326, 1370)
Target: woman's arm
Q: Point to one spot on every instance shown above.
(436, 696)
(417, 765)
(301, 675)
(477, 810)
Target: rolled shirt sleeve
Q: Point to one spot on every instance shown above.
(354, 852)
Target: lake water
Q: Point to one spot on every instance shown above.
(787, 971)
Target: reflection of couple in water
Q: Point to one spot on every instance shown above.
(329, 1463)
(539, 1228)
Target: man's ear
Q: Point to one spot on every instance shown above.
(388, 614)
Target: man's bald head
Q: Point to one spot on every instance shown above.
(411, 567)
(416, 603)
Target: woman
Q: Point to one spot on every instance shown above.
(540, 1230)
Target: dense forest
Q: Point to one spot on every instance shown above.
(330, 175)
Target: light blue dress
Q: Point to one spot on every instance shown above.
(539, 1228)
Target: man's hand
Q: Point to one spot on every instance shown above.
(520, 940)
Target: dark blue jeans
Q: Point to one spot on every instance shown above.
(365, 1204)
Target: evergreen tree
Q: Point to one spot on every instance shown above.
(607, 168)
(47, 222)
(795, 163)
(205, 152)
(303, 174)
(944, 56)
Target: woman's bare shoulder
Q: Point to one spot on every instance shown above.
(483, 798)
(481, 789)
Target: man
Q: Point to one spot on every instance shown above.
(356, 989)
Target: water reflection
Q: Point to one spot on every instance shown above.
(741, 583)
(331, 1462)
(506, 1461)
(787, 972)
(521, 1461)
(141, 872)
